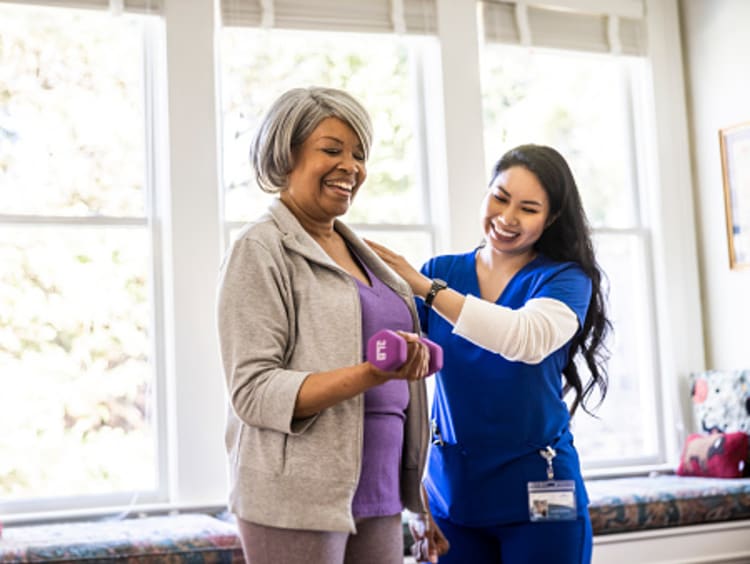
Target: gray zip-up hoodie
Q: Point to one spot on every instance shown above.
(285, 310)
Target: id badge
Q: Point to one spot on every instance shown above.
(552, 500)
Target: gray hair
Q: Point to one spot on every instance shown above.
(291, 119)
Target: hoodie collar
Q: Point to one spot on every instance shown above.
(296, 239)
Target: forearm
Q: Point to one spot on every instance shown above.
(528, 334)
(448, 303)
(322, 390)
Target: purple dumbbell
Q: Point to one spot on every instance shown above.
(387, 350)
(436, 355)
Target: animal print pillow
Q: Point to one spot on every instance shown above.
(716, 455)
(721, 400)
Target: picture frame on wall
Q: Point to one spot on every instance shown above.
(734, 142)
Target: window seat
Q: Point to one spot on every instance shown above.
(619, 505)
(189, 537)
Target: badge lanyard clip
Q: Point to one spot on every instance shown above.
(548, 454)
(437, 438)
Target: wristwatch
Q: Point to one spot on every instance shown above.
(437, 285)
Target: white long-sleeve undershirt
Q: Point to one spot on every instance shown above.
(528, 334)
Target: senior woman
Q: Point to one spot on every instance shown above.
(325, 450)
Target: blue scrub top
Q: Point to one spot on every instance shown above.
(494, 415)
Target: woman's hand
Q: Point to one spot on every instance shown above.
(447, 303)
(429, 541)
(417, 361)
(419, 283)
(321, 390)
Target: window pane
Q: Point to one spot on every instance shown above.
(71, 113)
(576, 103)
(257, 66)
(626, 424)
(580, 104)
(75, 362)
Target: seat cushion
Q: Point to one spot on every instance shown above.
(174, 538)
(641, 503)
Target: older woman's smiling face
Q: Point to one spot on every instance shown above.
(329, 168)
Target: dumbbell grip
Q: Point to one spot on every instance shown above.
(436, 355)
(387, 350)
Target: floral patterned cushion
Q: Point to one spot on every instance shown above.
(640, 503)
(721, 400)
(193, 538)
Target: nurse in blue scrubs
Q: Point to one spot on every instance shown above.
(516, 318)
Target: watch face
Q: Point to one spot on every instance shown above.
(437, 285)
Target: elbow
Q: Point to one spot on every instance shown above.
(243, 400)
(534, 359)
(241, 405)
(531, 347)
(527, 357)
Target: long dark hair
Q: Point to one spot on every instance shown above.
(568, 238)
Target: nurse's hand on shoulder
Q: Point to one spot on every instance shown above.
(418, 282)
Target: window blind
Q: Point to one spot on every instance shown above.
(138, 6)
(373, 16)
(596, 27)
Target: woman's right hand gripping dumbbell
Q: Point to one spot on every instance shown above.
(390, 355)
(408, 355)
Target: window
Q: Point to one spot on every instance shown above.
(582, 103)
(382, 71)
(77, 287)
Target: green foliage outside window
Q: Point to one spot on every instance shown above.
(75, 308)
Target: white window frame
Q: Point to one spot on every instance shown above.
(196, 408)
(669, 182)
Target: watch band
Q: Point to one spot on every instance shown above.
(437, 285)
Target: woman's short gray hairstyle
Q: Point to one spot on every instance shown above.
(291, 119)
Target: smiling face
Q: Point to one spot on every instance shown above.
(329, 167)
(515, 212)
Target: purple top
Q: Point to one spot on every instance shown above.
(378, 492)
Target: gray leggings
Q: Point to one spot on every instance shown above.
(378, 540)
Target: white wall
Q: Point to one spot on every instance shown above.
(716, 44)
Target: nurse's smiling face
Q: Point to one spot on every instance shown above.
(515, 212)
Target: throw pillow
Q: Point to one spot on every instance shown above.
(716, 455)
(721, 400)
